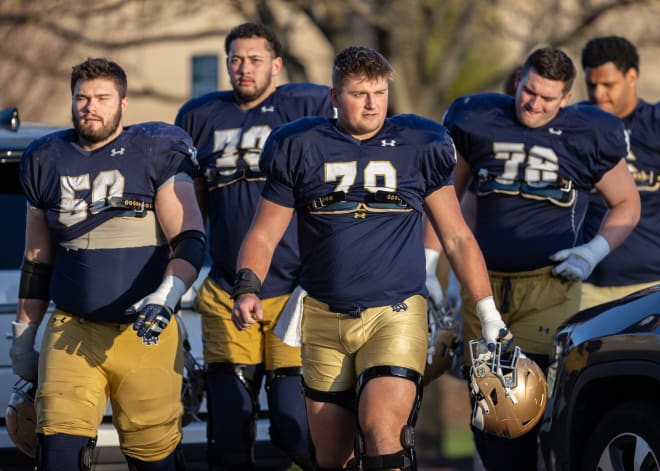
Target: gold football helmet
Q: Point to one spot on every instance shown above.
(193, 382)
(192, 388)
(509, 390)
(21, 417)
(443, 342)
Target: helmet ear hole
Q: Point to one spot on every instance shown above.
(21, 417)
(493, 397)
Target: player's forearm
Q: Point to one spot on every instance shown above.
(469, 266)
(620, 221)
(31, 310)
(182, 269)
(256, 254)
(431, 240)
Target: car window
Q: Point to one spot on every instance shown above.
(12, 202)
(12, 199)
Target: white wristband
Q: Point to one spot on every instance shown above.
(24, 334)
(486, 310)
(169, 292)
(599, 247)
(432, 257)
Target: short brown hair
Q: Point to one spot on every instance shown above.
(254, 30)
(359, 61)
(553, 64)
(99, 67)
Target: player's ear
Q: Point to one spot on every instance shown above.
(333, 97)
(276, 66)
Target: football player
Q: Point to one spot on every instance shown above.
(532, 161)
(114, 238)
(359, 186)
(229, 129)
(611, 70)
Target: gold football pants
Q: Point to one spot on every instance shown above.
(224, 343)
(337, 348)
(83, 364)
(532, 304)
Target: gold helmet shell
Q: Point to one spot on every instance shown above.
(509, 391)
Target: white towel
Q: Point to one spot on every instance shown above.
(289, 325)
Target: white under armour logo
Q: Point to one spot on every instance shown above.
(267, 109)
(554, 131)
(387, 143)
(114, 152)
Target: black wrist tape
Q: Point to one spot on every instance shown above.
(246, 282)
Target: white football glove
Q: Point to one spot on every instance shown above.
(432, 283)
(24, 358)
(493, 327)
(578, 262)
(155, 310)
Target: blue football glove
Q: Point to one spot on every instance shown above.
(152, 320)
(577, 263)
(155, 310)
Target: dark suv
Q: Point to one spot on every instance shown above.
(603, 411)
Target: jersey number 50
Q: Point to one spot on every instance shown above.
(107, 184)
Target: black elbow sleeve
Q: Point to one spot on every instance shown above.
(190, 246)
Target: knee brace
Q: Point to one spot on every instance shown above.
(407, 437)
(352, 465)
(65, 452)
(345, 399)
(233, 405)
(399, 460)
(288, 416)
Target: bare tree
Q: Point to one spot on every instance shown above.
(439, 49)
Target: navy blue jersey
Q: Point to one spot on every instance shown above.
(229, 142)
(359, 205)
(109, 250)
(532, 184)
(637, 259)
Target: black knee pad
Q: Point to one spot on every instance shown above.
(65, 452)
(231, 426)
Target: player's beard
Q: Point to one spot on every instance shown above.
(249, 94)
(106, 130)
